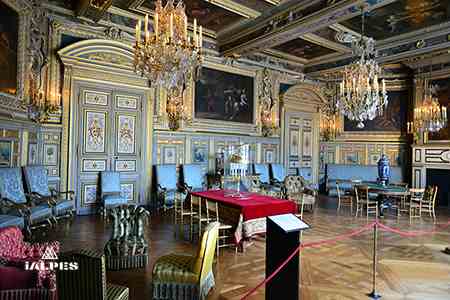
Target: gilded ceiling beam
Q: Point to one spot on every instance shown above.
(92, 9)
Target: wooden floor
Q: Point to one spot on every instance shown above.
(409, 268)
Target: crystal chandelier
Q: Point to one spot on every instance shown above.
(361, 97)
(168, 57)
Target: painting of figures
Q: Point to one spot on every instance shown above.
(441, 89)
(224, 96)
(9, 24)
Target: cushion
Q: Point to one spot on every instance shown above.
(263, 171)
(112, 200)
(9, 220)
(193, 175)
(40, 212)
(62, 207)
(110, 182)
(166, 176)
(36, 179)
(175, 268)
(15, 278)
(11, 186)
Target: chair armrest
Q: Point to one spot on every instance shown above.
(55, 193)
(39, 199)
(23, 209)
(184, 187)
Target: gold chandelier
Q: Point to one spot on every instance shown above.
(330, 121)
(168, 57)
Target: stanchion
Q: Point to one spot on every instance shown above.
(374, 294)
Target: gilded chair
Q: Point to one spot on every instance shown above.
(307, 175)
(177, 276)
(266, 186)
(89, 281)
(166, 185)
(343, 198)
(226, 236)
(429, 201)
(278, 174)
(297, 192)
(415, 202)
(36, 182)
(364, 201)
(110, 191)
(193, 177)
(36, 212)
(199, 215)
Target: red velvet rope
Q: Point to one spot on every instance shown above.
(339, 238)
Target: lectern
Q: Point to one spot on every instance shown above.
(282, 238)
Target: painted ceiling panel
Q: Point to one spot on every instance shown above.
(304, 49)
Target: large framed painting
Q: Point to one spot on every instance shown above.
(9, 36)
(224, 96)
(393, 118)
(441, 88)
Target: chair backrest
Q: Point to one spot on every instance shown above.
(306, 173)
(166, 176)
(338, 189)
(36, 180)
(417, 194)
(109, 182)
(193, 176)
(203, 262)
(88, 282)
(263, 171)
(11, 185)
(213, 208)
(362, 193)
(293, 184)
(278, 172)
(435, 195)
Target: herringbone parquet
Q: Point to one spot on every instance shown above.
(409, 268)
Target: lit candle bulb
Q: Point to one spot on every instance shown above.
(201, 37)
(138, 31)
(171, 25)
(156, 25)
(185, 27)
(384, 85)
(146, 28)
(195, 28)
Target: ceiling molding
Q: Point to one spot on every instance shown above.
(236, 8)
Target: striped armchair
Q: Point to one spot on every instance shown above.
(184, 277)
(89, 281)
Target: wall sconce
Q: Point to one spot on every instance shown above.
(39, 107)
(269, 120)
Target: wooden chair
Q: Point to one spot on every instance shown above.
(343, 199)
(226, 237)
(363, 200)
(181, 213)
(178, 276)
(415, 202)
(198, 214)
(429, 201)
(401, 203)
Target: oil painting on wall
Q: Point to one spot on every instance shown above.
(224, 96)
(441, 88)
(393, 118)
(9, 27)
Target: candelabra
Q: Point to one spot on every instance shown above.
(168, 57)
(39, 107)
(330, 125)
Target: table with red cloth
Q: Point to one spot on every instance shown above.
(247, 214)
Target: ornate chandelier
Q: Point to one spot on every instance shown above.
(361, 97)
(168, 57)
(430, 116)
(330, 125)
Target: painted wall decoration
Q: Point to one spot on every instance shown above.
(224, 96)
(89, 193)
(95, 98)
(269, 157)
(126, 102)
(95, 132)
(91, 165)
(127, 191)
(50, 154)
(442, 92)
(293, 143)
(5, 154)
(9, 28)
(32, 154)
(126, 134)
(393, 118)
(351, 158)
(200, 154)
(125, 165)
(307, 143)
(169, 155)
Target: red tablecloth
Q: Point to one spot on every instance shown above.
(253, 205)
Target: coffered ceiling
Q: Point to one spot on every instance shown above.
(304, 31)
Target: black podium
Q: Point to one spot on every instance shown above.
(282, 238)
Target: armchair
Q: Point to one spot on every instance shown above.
(264, 179)
(127, 248)
(89, 281)
(193, 178)
(297, 191)
(166, 185)
(17, 283)
(36, 181)
(110, 194)
(36, 212)
(187, 277)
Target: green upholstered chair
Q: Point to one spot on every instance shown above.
(187, 277)
(89, 281)
(37, 212)
(36, 181)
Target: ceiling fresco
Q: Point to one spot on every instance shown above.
(208, 15)
(258, 5)
(401, 17)
(303, 49)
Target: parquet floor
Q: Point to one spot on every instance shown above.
(409, 268)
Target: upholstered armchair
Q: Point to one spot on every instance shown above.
(307, 175)
(298, 192)
(127, 248)
(89, 281)
(36, 180)
(193, 178)
(17, 283)
(110, 191)
(264, 177)
(167, 187)
(177, 276)
(36, 212)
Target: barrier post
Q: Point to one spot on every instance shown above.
(374, 294)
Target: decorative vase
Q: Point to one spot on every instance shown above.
(384, 170)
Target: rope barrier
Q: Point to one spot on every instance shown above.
(339, 238)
